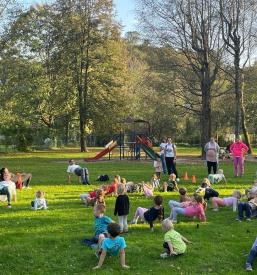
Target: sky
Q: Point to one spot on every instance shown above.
(125, 10)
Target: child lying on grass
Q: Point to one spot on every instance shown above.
(174, 244)
(113, 245)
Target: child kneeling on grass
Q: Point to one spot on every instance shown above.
(251, 257)
(114, 245)
(174, 244)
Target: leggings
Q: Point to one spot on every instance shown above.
(171, 166)
(5, 191)
(238, 161)
(123, 222)
(176, 211)
(173, 204)
(212, 165)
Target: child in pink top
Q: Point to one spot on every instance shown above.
(196, 209)
(227, 201)
(238, 149)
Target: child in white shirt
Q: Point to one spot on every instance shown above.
(39, 202)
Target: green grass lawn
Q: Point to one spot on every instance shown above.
(49, 242)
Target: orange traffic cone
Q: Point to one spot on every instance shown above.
(186, 176)
(193, 179)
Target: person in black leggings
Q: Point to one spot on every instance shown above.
(170, 157)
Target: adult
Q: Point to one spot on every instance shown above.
(82, 173)
(7, 187)
(238, 150)
(22, 179)
(170, 157)
(211, 149)
(162, 155)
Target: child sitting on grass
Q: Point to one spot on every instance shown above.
(148, 190)
(114, 245)
(251, 257)
(250, 208)
(227, 201)
(155, 181)
(122, 208)
(206, 191)
(171, 185)
(39, 202)
(101, 223)
(174, 244)
(151, 214)
(197, 208)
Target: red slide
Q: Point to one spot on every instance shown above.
(108, 148)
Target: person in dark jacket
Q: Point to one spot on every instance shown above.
(151, 214)
(122, 208)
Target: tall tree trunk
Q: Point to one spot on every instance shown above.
(206, 126)
(243, 117)
(237, 83)
(81, 121)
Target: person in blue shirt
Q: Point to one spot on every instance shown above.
(114, 245)
(101, 223)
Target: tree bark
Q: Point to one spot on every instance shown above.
(81, 120)
(237, 84)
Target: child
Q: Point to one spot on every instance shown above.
(151, 214)
(122, 208)
(101, 223)
(196, 209)
(216, 178)
(113, 245)
(252, 255)
(174, 244)
(227, 201)
(112, 188)
(155, 181)
(183, 195)
(148, 190)
(82, 173)
(249, 207)
(39, 202)
(171, 185)
(92, 197)
(206, 191)
(157, 164)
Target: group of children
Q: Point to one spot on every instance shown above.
(188, 206)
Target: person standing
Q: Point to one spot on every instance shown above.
(162, 155)
(238, 150)
(170, 157)
(212, 149)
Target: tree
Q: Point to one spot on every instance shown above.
(238, 21)
(192, 28)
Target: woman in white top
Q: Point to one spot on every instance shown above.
(212, 155)
(170, 157)
(162, 155)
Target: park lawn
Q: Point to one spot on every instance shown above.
(49, 242)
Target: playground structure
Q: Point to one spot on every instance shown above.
(132, 140)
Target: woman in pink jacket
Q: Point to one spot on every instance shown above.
(238, 149)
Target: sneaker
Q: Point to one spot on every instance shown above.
(133, 222)
(164, 255)
(248, 219)
(174, 221)
(152, 229)
(215, 209)
(9, 206)
(238, 219)
(248, 267)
